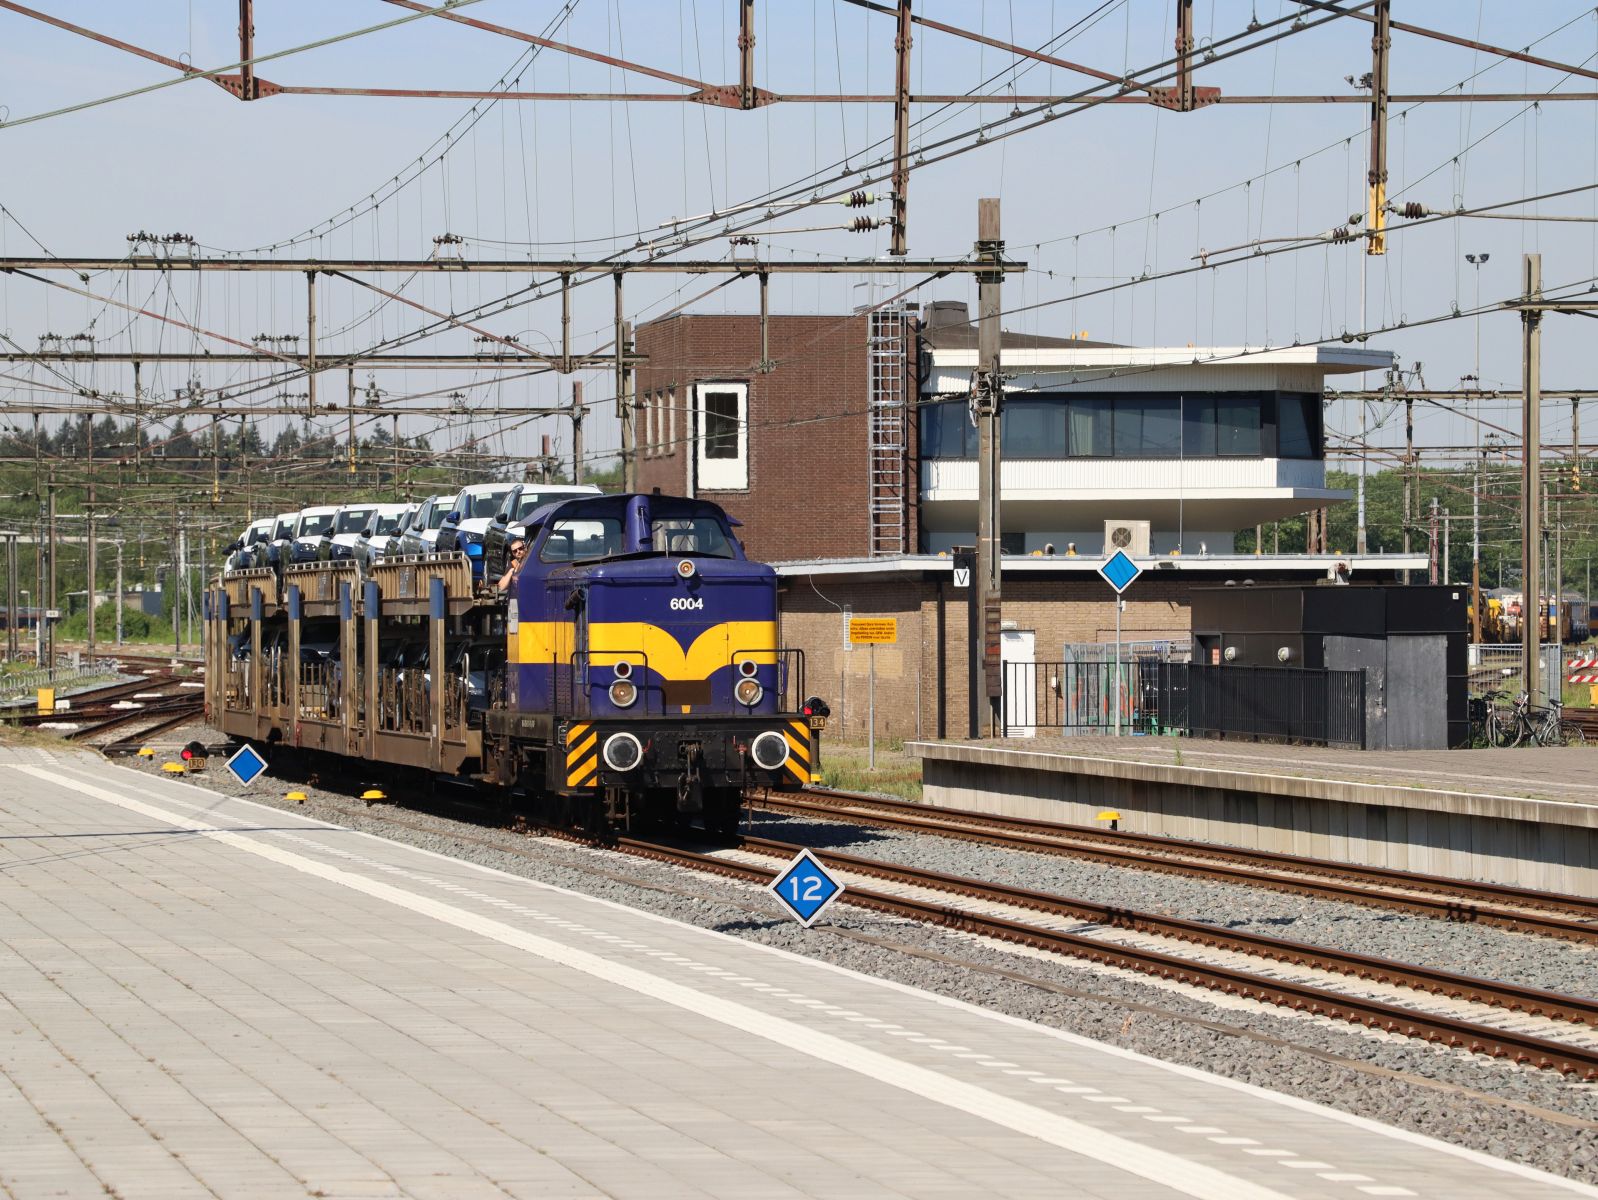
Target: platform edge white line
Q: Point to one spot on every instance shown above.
(1297, 1103)
(1157, 1166)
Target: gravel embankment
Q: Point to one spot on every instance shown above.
(1546, 963)
(1521, 1114)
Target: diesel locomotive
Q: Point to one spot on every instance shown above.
(628, 674)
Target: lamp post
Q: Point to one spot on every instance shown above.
(118, 545)
(1476, 261)
(38, 637)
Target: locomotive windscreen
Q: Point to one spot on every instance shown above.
(617, 526)
(687, 527)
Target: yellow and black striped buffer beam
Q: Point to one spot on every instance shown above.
(582, 756)
(801, 752)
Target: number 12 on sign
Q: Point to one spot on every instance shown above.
(805, 889)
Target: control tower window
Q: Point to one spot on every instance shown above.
(722, 450)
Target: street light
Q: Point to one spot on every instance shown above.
(1477, 261)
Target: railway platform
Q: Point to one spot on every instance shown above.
(204, 996)
(1527, 817)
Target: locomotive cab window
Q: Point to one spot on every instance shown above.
(579, 539)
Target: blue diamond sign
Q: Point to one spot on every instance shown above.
(1119, 571)
(246, 765)
(805, 889)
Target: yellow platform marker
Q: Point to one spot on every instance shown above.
(296, 796)
(1113, 817)
(146, 752)
(172, 768)
(373, 795)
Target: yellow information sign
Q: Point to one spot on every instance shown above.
(873, 630)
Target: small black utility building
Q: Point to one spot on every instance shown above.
(1409, 640)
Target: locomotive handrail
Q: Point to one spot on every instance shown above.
(781, 653)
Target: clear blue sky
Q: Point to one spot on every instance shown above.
(581, 179)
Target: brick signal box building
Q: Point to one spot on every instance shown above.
(807, 439)
(804, 428)
(843, 444)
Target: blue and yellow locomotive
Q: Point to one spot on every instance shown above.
(643, 670)
(629, 673)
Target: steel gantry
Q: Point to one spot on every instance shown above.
(507, 352)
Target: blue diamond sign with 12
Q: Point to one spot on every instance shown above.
(246, 764)
(804, 888)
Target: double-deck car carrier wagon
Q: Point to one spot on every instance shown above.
(630, 673)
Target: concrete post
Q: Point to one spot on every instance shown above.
(1531, 475)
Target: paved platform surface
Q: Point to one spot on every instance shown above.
(1539, 779)
(200, 996)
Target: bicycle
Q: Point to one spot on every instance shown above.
(1543, 726)
(1491, 723)
(1551, 728)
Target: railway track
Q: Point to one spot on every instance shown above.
(1573, 918)
(1501, 1020)
(123, 703)
(159, 703)
(1400, 1014)
(96, 703)
(163, 715)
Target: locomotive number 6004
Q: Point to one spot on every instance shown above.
(682, 602)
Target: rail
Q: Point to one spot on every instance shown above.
(1498, 1041)
(1550, 914)
(1508, 1039)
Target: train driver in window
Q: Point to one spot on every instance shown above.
(518, 556)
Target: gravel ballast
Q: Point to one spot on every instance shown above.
(1501, 954)
(1521, 1114)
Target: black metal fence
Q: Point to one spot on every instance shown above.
(1152, 696)
(1082, 697)
(1298, 704)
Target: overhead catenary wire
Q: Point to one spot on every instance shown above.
(213, 72)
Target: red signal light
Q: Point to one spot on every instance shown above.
(187, 754)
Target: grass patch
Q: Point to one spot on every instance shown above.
(897, 774)
(21, 735)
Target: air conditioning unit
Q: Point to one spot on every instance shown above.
(1131, 536)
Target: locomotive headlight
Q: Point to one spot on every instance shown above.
(622, 752)
(769, 750)
(748, 692)
(623, 692)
